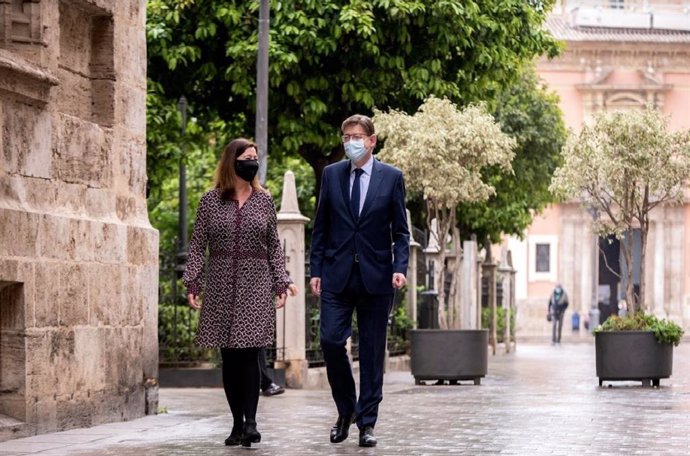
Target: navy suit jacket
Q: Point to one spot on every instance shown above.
(379, 238)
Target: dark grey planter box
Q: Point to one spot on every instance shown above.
(449, 354)
(632, 355)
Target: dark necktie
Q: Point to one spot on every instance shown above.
(354, 197)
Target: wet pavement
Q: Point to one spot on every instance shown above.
(541, 400)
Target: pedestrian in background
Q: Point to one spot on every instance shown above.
(558, 302)
(245, 269)
(268, 386)
(359, 255)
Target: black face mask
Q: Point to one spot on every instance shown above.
(247, 169)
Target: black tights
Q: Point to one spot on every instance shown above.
(241, 383)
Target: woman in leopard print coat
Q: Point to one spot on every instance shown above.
(244, 270)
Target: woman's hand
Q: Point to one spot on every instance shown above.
(292, 289)
(193, 301)
(280, 300)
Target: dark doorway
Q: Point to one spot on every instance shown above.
(612, 273)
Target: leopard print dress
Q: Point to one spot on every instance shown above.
(243, 271)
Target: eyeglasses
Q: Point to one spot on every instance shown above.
(346, 138)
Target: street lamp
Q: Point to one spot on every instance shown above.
(594, 311)
(181, 257)
(261, 129)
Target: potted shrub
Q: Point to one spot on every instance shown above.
(623, 165)
(442, 151)
(636, 347)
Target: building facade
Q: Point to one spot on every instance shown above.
(78, 257)
(619, 54)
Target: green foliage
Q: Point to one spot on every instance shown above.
(530, 114)
(500, 322)
(459, 143)
(331, 58)
(176, 331)
(622, 165)
(665, 331)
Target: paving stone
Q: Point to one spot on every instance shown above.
(539, 401)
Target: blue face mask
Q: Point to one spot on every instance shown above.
(355, 150)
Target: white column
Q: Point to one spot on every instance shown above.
(415, 250)
(290, 321)
(470, 305)
(657, 304)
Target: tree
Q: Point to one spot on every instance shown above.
(442, 152)
(623, 165)
(332, 58)
(528, 112)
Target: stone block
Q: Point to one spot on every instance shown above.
(130, 65)
(106, 294)
(26, 137)
(108, 406)
(142, 246)
(132, 12)
(149, 304)
(27, 193)
(18, 233)
(65, 238)
(69, 198)
(14, 270)
(82, 151)
(123, 357)
(44, 305)
(73, 302)
(102, 106)
(12, 362)
(72, 413)
(42, 411)
(100, 203)
(75, 43)
(132, 299)
(89, 349)
(130, 174)
(74, 93)
(38, 357)
(109, 241)
(130, 108)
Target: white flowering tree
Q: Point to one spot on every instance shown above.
(623, 164)
(442, 150)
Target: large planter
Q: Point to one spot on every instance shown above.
(451, 354)
(632, 355)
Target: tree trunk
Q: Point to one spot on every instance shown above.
(644, 231)
(628, 258)
(454, 303)
(318, 161)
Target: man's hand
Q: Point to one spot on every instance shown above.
(292, 289)
(315, 285)
(193, 301)
(399, 280)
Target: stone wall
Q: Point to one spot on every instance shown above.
(78, 257)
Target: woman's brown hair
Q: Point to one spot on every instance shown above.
(225, 176)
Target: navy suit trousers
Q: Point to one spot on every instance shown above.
(336, 326)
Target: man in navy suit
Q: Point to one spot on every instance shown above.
(359, 255)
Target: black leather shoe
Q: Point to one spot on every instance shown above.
(235, 437)
(366, 437)
(250, 435)
(340, 431)
(273, 390)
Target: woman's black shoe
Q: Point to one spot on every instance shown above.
(250, 435)
(234, 439)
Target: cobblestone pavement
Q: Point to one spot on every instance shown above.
(542, 400)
